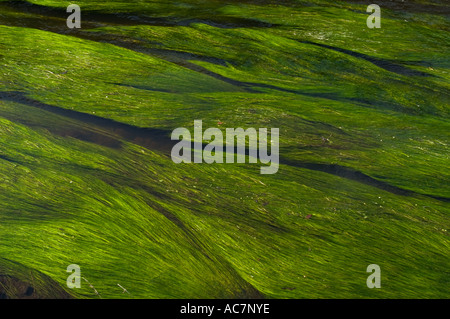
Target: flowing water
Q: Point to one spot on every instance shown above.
(86, 117)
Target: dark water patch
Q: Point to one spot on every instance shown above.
(352, 174)
(391, 66)
(147, 137)
(254, 87)
(247, 291)
(54, 23)
(159, 140)
(123, 179)
(89, 136)
(186, 56)
(91, 17)
(13, 288)
(439, 198)
(227, 22)
(344, 172)
(174, 56)
(146, 88)
(61, 126)
(58, 25)
(433, 7)
(182, 58)
(6, 158)
(20, 282)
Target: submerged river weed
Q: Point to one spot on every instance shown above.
(215, 152)
(362, 165)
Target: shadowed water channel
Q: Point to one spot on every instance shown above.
(54, 20)
(110, 133)
(93, 18)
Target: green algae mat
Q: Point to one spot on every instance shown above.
(87, 181)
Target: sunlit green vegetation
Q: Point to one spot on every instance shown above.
(364, 131)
